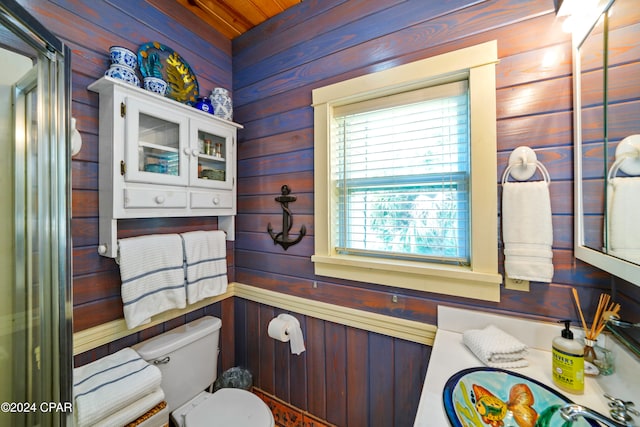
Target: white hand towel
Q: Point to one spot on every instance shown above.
(622, 218)
(206, 257)
(109, 384)
(134, 411)
(496, 348)
(527, 231)
(152, 273)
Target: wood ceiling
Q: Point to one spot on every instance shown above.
(234, 17)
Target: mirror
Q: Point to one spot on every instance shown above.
(607, 139)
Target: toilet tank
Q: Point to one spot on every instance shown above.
(187, 357)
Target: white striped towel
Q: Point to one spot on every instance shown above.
(152, 273)
(496, 348)
(134, 411)
(206, 257)
(109, 384)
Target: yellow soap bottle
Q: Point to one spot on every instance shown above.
(568, 361)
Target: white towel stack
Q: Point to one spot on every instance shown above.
(106, 387)
(527, 231)
(622, 218)
(152, 273)
(206, 258)
(496, 348)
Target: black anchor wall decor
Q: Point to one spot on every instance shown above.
(282, 238)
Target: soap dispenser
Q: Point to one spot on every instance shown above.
(568, 361)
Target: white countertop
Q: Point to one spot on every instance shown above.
(449, 355)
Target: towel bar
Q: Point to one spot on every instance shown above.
(627, 157)
(108, 246)
(105, 251)
(523, 164)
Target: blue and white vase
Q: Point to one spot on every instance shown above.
(221, 101)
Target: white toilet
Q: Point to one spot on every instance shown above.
(188, 359)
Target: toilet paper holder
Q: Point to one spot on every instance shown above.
(286, 328)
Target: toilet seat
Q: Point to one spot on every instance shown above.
(229, 407)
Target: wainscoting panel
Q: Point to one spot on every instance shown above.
(346, 376)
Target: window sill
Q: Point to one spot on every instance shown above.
(447, 280)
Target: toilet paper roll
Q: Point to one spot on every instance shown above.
(286, 328)
(278, 329)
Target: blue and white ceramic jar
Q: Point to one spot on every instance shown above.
(221, 101)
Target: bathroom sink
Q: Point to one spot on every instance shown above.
(498, 398)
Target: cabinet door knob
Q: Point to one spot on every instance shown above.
(216, 200)
(188, 151)
(159, 200)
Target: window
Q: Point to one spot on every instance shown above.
(401, 176)
(405, 176)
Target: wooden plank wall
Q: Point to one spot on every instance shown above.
(277, 65)
(275, 68)
(89, 29)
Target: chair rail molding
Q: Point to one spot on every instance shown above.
(410, 330)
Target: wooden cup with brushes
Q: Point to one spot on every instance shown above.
(605, 310)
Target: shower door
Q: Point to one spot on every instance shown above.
(35, 328)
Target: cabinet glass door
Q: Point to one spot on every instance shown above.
(212, 155)
(156, 139)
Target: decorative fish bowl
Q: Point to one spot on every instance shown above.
(498, 398)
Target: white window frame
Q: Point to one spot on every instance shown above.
(481, 279)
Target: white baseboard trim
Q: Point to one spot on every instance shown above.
(410, 330)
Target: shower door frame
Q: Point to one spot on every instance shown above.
(42, 212)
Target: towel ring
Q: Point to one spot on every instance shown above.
(627, 157)
(523, 164)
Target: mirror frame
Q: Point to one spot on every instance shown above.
(618, 267)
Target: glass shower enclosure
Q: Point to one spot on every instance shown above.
(35, 272)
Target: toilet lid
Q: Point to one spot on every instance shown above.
(231, 407)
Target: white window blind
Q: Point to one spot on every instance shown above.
(400, 175)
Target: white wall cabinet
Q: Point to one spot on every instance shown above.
(161, 158)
